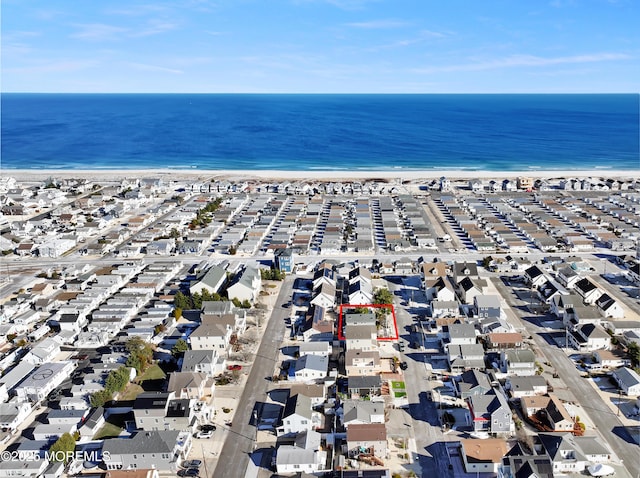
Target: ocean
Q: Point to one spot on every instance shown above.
(320, 132)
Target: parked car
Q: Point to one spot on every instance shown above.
(204, 434)
(189, 472)
(208, 428)
(191, 464)
(234, 367)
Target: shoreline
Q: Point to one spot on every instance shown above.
(317, 175)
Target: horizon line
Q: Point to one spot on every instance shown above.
(307, 93)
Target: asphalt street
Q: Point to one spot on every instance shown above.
(240, 442)
(605, 422)
(430, 442)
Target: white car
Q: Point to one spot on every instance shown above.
(204, 434)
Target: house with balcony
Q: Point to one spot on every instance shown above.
(490, 413)
(162, 411)
(518, 362)
(161, 450)
(367, 439)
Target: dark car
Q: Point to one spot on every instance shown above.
(191, 464)
(404, 365)
(189, 472)
(208, 428)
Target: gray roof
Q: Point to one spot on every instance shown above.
(627, 376)
(361, 410)
(194, 357)
(163, 441)
(220, 307)
(298, 405)
(214, 277)
(313, 362)
(466, 331)
(487, 301)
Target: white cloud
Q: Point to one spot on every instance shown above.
(98, 32)
(60, 66)
(377, 24)
(523, 60)
(155, 27)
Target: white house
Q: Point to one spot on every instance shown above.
(44, 352)
(310, 367)
(304, 456)
(247, 286)
(628, 381)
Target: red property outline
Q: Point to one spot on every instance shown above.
(374, 306)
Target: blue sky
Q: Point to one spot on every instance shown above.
(321, 46)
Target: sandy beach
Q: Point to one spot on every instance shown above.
(316, 175)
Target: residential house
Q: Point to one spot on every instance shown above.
(589, 337)
(468, 289)
(560, 303)
(364, 386)
(564, 451)
(504, 340)
(369, 439)
(534, 276)
(487, 306)
(212, 280)
(246, 286)
(44, 352)
(216, 334)
(589, 292)
(568, 276)
(490, 413)
(304, 456)
(316, 392)
(360, 362)
(324, 295)
(433, 270)
(609, 307)
(324, 275)
(358, 412)
(189, 385)
(465, 357)
(528, 386)
(549, 411)
(519, 362)
(160, 450)
(444, 308)
(608, 359)
(518, 464)
(439, 288)
(162, 411)
(206, 361)
(461, 270)
(317, 325)
(310, 368)
(283, 259)
(13, 414)
(472, 382)
(361, 337)
(360, 292)
(628, 380)
(298, 416)
(22, 468)
(482, 456)
(460, 334)
(43, 380)
(92, 424)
